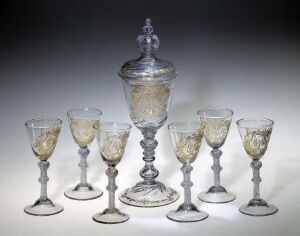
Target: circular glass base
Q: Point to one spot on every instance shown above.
(80, 192)
(217, 197)
(145, 195)
(43, 207)
(266, 210)
(187, 214)
(108, 217)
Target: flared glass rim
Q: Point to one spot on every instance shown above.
(115, 126)
(96, 115)
(30, 123)
(200, 111)
(256, 120)
(171, 127)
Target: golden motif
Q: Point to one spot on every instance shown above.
(45, 143)
(187, 148)
(127, 72)
(215, 131)
(113, 148)
(83, 131)
(150, 101)
(256, 142)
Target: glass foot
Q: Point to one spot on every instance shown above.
(187, 214)
(258, 207)
(80, 192)
(43, 207)
(110, 217)
(216, 195)
(149, 195)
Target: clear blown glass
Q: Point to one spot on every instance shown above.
(255, 135)
(43, 135)
(186, 138)
(83, 122)
(112, 140)
(216, 123)
(148, 87)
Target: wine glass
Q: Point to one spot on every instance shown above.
(255, 135)
(82, 123)
(216, 123)
(112, 139)
(186, 139)
(43, 134)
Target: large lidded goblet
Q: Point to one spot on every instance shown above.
(112, 139)
(83, 122)
(43, 135)
(216, 123)
(186, 139)
(148, 85)
(255, 135)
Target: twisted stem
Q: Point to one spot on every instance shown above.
(216, 167)
(256, 165)
(149, 143)
(111, 173)
(187, 184)
(43, 165)
(83, 152)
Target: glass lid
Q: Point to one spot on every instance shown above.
(148, 66)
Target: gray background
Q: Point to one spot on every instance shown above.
(241, 55)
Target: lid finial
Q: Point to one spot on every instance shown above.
(148, 43)
(148, 28)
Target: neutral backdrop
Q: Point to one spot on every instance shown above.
(56, 56)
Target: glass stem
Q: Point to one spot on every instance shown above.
(43, 165)
(187, 184)
(256, 165)
(83, 152)
(149, 172)
(111, 173)
(216, 167)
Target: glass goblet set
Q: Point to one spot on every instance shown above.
(186, 139)
(112, 139)
(214, 125)
(85, 125)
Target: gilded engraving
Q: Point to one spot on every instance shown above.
(83, 131)
(256, 142)
(113, 148)
(216, 130)
(188, 147)
(45, 143)
(150, 101)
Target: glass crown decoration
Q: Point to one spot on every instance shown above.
(148, 86)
